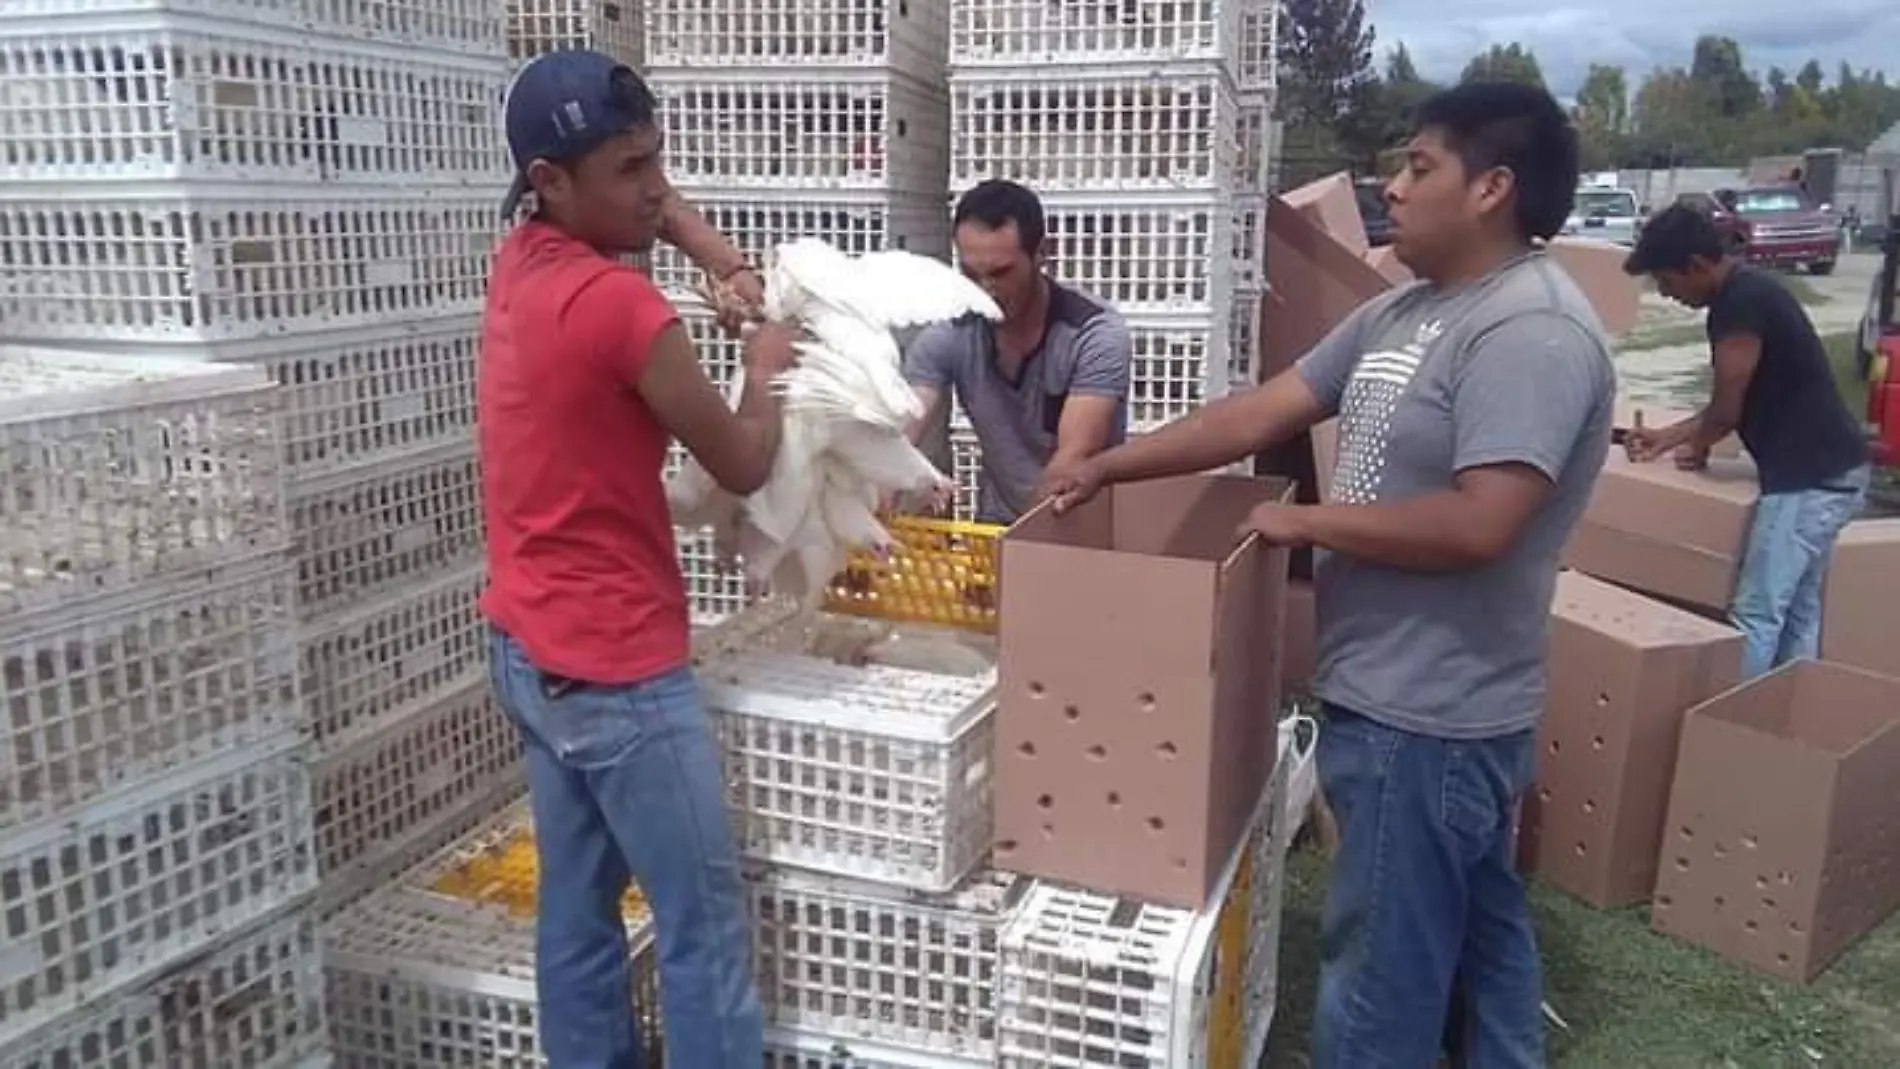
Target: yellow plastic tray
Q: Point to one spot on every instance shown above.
(503, 874)
(937, 572)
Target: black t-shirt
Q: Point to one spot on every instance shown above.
(1794, 422)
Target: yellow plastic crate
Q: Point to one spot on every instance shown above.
(502, 873)
(937, 572)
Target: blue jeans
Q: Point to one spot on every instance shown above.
(1777, 603)
(1424, 887)
(625, 783)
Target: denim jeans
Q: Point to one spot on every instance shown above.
(1777, 603)
(625, 783)
(1425, 887)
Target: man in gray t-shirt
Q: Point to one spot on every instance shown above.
(1047, 384)
(1474, 411)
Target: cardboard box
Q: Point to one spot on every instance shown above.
(1673, 534)
(1313, 282)
(1332, 205)
(1860, 599)
(1783, 841)
(1623, 672)
(1597, 269)
(1385, 260)
(1298, 635)
(1138, 705)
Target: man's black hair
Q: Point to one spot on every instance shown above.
(1518, 127)
(1672, 238)
(997, 202)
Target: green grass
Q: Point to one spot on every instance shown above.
(1637, 1000)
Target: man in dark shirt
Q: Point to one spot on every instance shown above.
(1773, 385)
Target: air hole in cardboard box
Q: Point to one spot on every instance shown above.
(1006, 846)
(1114, 800)
(1782, 957)
(1146, 701)
(1157, 825)
(1603, 699)
(1750, 927)
(1767, 903)
(1072, 713)
(1663, 901)
(1682, 864)
(1037, 690)
(1687, 832)
(1582, 849)
(1180, 863)
(1719, 850)
(1589, 805)
(1098, 752)
(1027, 749)
(1720, 901)
(1795, 927)
(1555, 746)
(1046, 802)
(1543, 794)
(1168, 751)
(1597, 743)
(1048, 831)
(1749, 842)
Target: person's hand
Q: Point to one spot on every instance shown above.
(1691, 458)
(768, 351)
(1071, 483)
(736, 300)
(1277, 525)
(1641, 443)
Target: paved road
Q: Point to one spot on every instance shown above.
(1665, 360)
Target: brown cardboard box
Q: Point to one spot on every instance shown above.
(1783, 841)
(1597, 268)
(1863, 589)
(1385, 260)
(1677, 535)
(1332, 205)
(1313, 282)
(1623, 672)
(1297, 652)
(1137, 719)
(1656, 416)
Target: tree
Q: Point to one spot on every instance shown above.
(1723, 84)
(1811, 77)
(1603, 115)
(1385, 117)
(1505, 63)
(1325, 59)
(1665, 119)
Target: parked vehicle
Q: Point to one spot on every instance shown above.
(1783, 227)
(1606, 214)
(1373, 210)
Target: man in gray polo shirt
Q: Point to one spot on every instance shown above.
(1049, 383)
(1474, 411)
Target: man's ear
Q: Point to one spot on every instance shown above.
(551, 183)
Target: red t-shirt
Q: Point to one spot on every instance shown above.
(582, 568)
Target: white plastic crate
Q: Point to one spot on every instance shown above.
(1087, 128)
(161, 266)
(720, 355)
(713, 591)
(1179, 364)
(966, 461)
(142, 880)
(844, 129)
(405, 792)
(1258, 65)
(1250, 241)
(1089, 979)
(361, 532)
(373, 395)
(167, 97)
(907, 35)
(255, 1000)
(1144, 256)
(609, 26)
(786, 1049)
(417, 978)
(463, 26)
(122, 470)
(853, 224)
(1243, 344)
(1028, 33)
(871, 772)
(102, 696)
(370, 665)
(867, 963)
(1259, 135)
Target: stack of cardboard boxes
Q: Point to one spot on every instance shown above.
(1761, 819)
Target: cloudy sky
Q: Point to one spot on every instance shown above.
(1569, 35)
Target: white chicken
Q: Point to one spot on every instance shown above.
(846, 408)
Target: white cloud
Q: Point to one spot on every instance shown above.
(1443, 35)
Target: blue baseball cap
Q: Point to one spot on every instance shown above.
(564, 104)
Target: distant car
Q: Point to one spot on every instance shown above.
(1373, 211)
(1605, 214)
(1784, 227)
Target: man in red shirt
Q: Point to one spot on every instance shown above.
(585, 377)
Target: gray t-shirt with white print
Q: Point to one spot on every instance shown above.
(1086, 350)
(1511, 369)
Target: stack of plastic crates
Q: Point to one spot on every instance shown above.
(796, 118)
(311, 188)
(157, 847)
(1141, 124)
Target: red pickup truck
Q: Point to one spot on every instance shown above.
(1775, 225)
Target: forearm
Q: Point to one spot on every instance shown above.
(1428, 533)
(1214, 435)
(684, 228)
(762, 419)
(1713, 424)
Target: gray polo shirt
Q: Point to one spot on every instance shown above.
(1085, 350)
(1511, 369)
